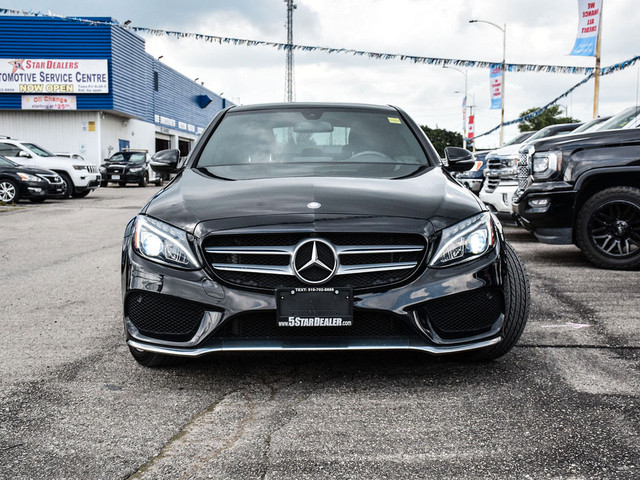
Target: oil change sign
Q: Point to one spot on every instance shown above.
(47, 76)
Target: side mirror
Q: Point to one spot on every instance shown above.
(165, 161)
(23, 154)
(459, 159)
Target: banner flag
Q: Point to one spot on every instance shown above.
(589, 12)
(464, 112)
(496, 87)
(471, 129)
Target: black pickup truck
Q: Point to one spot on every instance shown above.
(584, 189)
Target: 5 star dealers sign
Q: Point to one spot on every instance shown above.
(46, 76)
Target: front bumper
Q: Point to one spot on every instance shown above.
(500, 198)
(548, 214)
(125, 176)
(408, 307)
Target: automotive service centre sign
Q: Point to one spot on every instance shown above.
(33, 76)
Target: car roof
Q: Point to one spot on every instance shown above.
(303, 105)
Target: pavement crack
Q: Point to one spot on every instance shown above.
(183, 431)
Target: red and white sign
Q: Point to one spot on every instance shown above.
(471, 127)
(49, 102)
(48, 76)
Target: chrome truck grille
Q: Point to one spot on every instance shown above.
(364, 261)
(524, 171)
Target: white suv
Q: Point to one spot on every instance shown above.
(79, 176)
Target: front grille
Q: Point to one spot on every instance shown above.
(365, 261)
(463, 314)
(50, 178)
(163, 317)
(264, 326)
(491, 184)
(494, 164)
(115, 169)
(524, 168)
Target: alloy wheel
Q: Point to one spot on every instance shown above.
(614, 228)
(7, 192)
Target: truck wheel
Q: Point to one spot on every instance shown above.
(153, 360)
(516, 312)
(9, 192)
(81, 194)
(68, 185)
(608, 228)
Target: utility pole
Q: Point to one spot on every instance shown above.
(596, 91)
(288, 91)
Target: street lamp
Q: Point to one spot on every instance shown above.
(464, 120)
(504, 49)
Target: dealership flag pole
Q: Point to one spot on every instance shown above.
(596, 91)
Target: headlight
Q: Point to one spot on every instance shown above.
(28, 178)
(136, 170)
(464, 241)
(163, 243)
(546, 163)
(80, 167)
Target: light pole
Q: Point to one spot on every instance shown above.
(464, 116)
(504, 50)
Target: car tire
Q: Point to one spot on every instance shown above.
(517, 300)
(159, 181)
(9, 192)
(144, 180)
(605, 225)
(68, 185)
(153, 360)
(81, 194)
(104, 184)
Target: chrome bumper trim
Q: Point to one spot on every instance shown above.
(274, 346)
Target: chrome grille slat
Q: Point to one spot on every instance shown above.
(374, 267)
(372, 249)
(267, 269)
(251, 250)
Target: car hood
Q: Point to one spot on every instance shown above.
(29, 170)
(195, 197)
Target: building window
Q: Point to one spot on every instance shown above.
(155, 81)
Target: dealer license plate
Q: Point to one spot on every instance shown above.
(315, 307)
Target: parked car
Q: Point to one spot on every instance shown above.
(584, 189)
(313, 227)
(79, 177)
(22, 183)
(131, 166)
(500, 174)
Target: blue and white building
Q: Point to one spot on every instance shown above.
(92, 89)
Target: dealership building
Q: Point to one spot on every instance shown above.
(90, 88)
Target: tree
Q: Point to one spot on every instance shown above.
(441, 138)
(546, 118)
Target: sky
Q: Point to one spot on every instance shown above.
(538, 32)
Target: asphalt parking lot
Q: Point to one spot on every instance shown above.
(565, 403)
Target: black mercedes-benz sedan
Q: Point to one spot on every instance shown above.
(317, 227)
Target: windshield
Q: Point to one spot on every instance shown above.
(132, 157)
(519, 139)
(620, 120)
(312, 142)
(590, 126)
(41, 152)
(5, 162)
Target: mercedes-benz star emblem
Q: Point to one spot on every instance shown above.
(315, 261)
